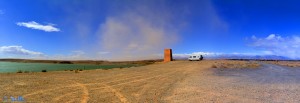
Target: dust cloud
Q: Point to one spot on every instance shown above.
(139, 32)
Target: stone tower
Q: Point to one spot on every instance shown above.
(168, 55)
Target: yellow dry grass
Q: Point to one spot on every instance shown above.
(235, 64)
(285, 63)
(151, 83)
(172, 82)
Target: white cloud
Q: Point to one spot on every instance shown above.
(18, 50)
(103, 53)
(273, 36)
(253, 37)
(77, 54)
(267, 52)
(34, 25)
(74, 55)
(205, 54)
(277, 45)
(234, 55)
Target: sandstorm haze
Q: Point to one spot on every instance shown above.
(129, 30)
(136, 31)
(139, 31)
(142, 29)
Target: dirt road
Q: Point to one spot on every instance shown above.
(178, 81)
(269, 83)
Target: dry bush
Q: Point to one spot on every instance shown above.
(76, 71)
(105, 68)
(19, 71)
(214, 66)
(235, 64)
(253, 65)
(285, 63)
(224, 65)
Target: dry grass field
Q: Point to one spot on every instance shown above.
(285, 63)
(235, 64)
(177, 81)
(137, 84)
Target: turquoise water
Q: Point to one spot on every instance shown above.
(6, 67)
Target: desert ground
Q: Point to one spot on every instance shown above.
(176, 81)
(285, 63)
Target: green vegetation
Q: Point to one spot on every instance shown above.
(12, 67)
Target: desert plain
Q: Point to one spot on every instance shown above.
(219, 81)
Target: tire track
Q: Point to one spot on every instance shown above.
(85, 93)
(117, 93)
(144, 79)
(61, 96)
(45, 91)
(75, 85)
(121, 97)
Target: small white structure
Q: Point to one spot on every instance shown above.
(195, 57)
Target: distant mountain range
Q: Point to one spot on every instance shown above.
(236, 56)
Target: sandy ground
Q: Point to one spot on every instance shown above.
(178, 81)
(267, 84)
(150, 83)
(285, 63)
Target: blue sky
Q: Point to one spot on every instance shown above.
(141, 29)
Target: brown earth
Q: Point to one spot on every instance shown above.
(235, 64)
(285, 63)
(150, 83)
(177, 81)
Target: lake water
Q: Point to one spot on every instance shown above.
(6, 67)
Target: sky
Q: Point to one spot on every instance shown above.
(142, 29)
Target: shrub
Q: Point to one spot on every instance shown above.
(76, 71)
(223, 65)
(65, 62)
(19, 71)
(214, 66)
(44, 70)
(26, 71)
(253, 65)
